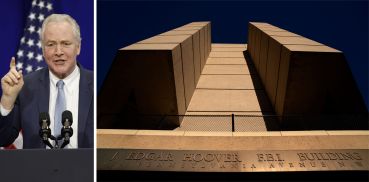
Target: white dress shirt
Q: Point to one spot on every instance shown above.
(71, 90)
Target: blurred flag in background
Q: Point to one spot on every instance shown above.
(29, 55)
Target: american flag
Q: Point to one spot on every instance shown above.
(29, 55)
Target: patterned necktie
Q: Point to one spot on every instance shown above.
(59, 108)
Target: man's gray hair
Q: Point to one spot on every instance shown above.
(61, 18)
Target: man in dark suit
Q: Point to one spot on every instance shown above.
(63, 84)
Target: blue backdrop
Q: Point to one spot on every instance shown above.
(13, 15)
(341, 25)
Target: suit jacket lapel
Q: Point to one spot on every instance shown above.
(85, 100)
(43, 94)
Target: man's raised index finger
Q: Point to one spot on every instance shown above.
(12, 63)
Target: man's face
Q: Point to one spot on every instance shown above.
(61, 48)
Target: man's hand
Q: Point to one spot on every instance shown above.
(11, 85)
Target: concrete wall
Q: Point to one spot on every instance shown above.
(145, 79)
(302, 76)
(156, 76)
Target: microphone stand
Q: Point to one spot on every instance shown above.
(46, 142)
(67, 132)
(65, 139)
(45, 134)
(56, 139)
(66, 142)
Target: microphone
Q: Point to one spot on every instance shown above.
(67, 130)
(45, 131)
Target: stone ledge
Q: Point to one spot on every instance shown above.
(101, 132)
(160, 132)
(304, 133)
(232, 142)
(207, 133)
(348, 132)
(268, 133)
(116, 132)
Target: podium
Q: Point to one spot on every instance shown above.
(47, 165)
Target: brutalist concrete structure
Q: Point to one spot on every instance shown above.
(177, 102)
(155, 77)
(303, 77)
(305, 84)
